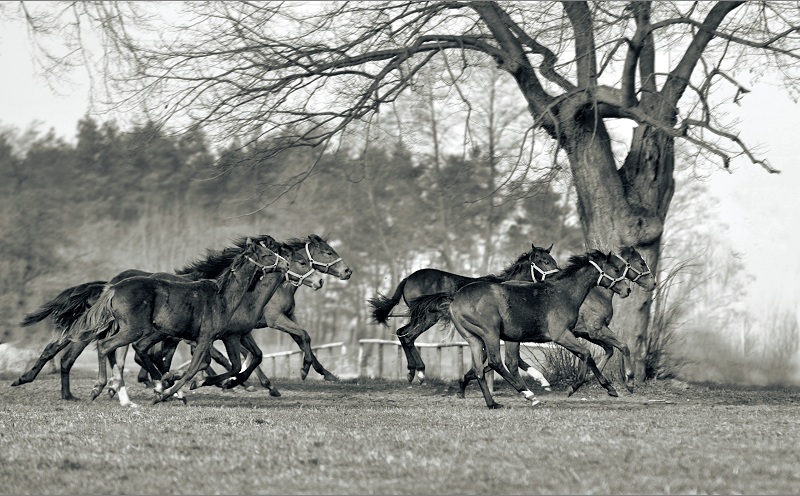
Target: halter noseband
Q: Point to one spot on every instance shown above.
(603, 275)
(628, 267)
(324, 265)
(544, 273)
(266, 268)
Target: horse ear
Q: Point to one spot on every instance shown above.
(551, 247)
(249, 242)
(608, 257)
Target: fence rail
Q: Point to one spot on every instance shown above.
(461, 367)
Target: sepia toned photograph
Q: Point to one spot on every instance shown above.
(402, 247)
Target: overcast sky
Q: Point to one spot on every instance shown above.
(762, 210)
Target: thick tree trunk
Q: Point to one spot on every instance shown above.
(624, 207)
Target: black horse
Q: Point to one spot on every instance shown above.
(138, 308)
(526, 267)
(593, 321)
(485, 313)
(67, 308)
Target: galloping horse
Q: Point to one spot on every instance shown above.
(280, 310)
(72, 303)
(484, 313)
(593, 320)
(430, 281)
(138, 307)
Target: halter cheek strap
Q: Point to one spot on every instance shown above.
(300, 277)
(543, 273)
(628, 267)
(324, 265)
(603, 275)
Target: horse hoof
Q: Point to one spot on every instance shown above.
(535, 402)
(16, 383)
(275, 393)
(111, 393)
(330, 377)
(612, 392)
(460, 394)
(250, 389)
(95, 394)
(194, 385)
(303, 374)
(570, 391)
(411, 376)
(496, 406)
(69, 397)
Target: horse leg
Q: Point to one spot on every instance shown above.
(117, 383)
(105, 346)
(256, 356)
(50, 351)
(201, 359)
(144, 358)
(233, 348)
(470, 376)
(476, 349)
(514, 363)
(289, 325)
(410, 337)
(409, 349)
(262, 377)
(606, 339)
(568, 340)
(492, 344)
(71, 354)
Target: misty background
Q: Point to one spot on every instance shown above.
(87, 195)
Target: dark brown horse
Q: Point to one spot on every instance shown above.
(530, 266)
(593, 320)
(485, 313)
(133, 310)
(280, 310)
(71, 304)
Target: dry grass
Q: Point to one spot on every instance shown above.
(386, 438)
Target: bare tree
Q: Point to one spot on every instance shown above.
(314, 71)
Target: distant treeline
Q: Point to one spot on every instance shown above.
(145, 198)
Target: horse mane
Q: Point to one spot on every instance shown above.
(216, 261)
(521, 263)
(295, 244)
(577, 262)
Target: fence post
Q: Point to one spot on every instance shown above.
(461, 370)
(380, 360)
(439, 358)
(361, 365)
(399, 361)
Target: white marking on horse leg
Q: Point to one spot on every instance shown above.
(124, 400)
(159, 387)
(421, 375)
(538, 377)
(179, 394)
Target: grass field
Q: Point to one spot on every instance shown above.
(377, 437)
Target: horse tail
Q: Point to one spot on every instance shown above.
(382, 305)
(68, 306)
(430, 309)
(98, 321)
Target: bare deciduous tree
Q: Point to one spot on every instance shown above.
(314, 71)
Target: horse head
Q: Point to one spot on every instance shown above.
(300, 270)
(324, 259)
(611, 270)
(542, 263)
(637, 269)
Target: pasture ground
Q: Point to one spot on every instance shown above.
(384, 437)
